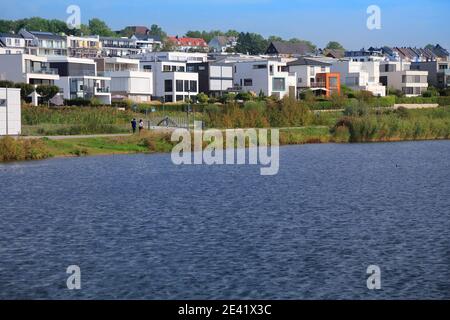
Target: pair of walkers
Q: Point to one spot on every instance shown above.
(134, 125)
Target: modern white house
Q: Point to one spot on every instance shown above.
(10, 112)
(147, 43)
(270, 77)
(127, 80)
(25, 68)
(171, 80)
(79, 79)
(315, 75)
(360, 75)
(215, 78)
(398, 75)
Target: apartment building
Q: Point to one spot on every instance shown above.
(127, 80)
(270, 77)
(438, 72)
(25, 68)
(44, 43)
(147, 43)
(171, 80)
(222, 44)
(398, 75)
(84, 47)
(188, 57)
(215, 78)
(79, 79)
(118, 47)
(315, 75)
(365, 55)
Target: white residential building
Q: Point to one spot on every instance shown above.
(79, 79)
(360, 75)
(44, 43)
(25, 68)
(118, 47)
(398, 75)
(222, 43)
(10, 112)
(271, 77)
(171, 80)
(127, 80)
(12, 43)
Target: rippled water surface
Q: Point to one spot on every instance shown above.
(141, 228)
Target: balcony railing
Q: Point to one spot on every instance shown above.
(318, 84)
(51, 71)
(102, 90)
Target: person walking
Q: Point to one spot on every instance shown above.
(133, 125)
(141, 125)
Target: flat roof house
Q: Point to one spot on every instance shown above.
(171, 80)
(270, 77)
(398, 75)
(25, 68)
(118, 47)
(438, 72)
(215, 78)
(315, 75)
(360, 75)
(79, 79)
(84, 47)
(127, 80)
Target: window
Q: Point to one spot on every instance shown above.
(166, 68)
(168, 86)
(279, 84)
(148, 68)
(193, 86)
(186, 85)
(8, 42)
(180, 97)
(181, 69)
(443, 67)
(260, 66)
(17, 42)
(179, 85)
(408, 90)
(248, 82)
(300, 80)
(201, 68)
(168, 98)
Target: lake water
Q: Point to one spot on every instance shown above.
(141, 228)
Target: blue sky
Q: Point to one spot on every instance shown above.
(404, 22)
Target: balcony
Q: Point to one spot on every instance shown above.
(50, 71)
(102, 90)
(318, 84)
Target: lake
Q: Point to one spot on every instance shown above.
(140, 227)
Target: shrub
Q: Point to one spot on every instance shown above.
(357, 108)
(341, 134)
(18, 150)
(244, 96)
(202, 98)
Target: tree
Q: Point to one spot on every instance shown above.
(274, 38)
(169, 45)
(251, 43)
(309, 44)
(156, 30)
(99, 27)
(47, 92)
(202, 98)
(334, 45)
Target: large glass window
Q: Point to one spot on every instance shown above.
(179, 85)
(168, 86)
(193, 86)
(186, 85)
(279, 84)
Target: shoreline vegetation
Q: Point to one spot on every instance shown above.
(361, 118)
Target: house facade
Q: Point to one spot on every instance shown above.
(127, 80)
(215, 78)
(44, 43)
(287, 49)
(360, 75)
(84, 47)
(315, 75)
(79, 79)
(398, 75)
(25, 68)
(269, 77)
(222, 44)
(12, 43)
(118, 47)
(438, 72)
(171, 80)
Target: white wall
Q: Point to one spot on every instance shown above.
(14, 112)
(11, 68)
